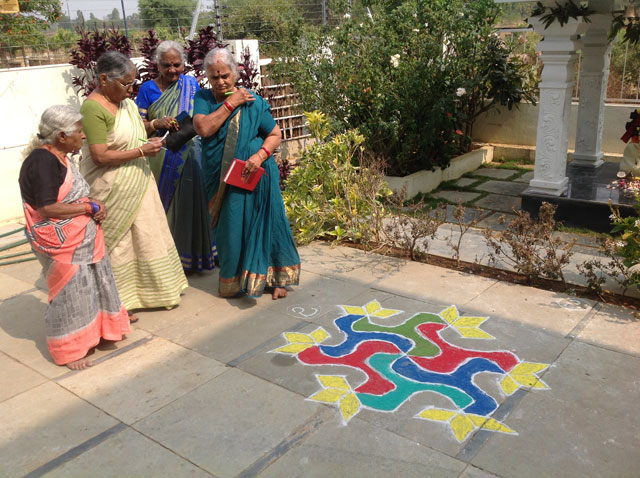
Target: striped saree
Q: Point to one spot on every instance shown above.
(143, 255)
(84, 305)
(180, 182)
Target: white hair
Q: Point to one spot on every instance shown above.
(166, 46)
(55, 119)
(223, 54)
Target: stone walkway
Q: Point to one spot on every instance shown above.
(240, 388)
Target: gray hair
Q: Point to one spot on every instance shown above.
(166, 46)
(55, 119)
(115, 64)
(223, 54)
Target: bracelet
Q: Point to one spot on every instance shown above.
(153, 128)
(266, 151)
(141, 152)
(94, 208)
(228, 106)
(88, 210)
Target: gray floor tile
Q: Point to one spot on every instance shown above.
(614, 328)
(229, 423)
(525, 178)
(15, 378)
(158, 370)
(463, 182)
(495, 221)
(372, 452)
(498, 202)
(585, 425)
(42, 424)
(129, 454)
(503, 187)
(494, 173)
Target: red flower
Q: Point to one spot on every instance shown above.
(459, 132)
(449, 115)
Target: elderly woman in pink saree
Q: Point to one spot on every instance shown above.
(62, 224)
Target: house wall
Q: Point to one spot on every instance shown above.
(519, 126)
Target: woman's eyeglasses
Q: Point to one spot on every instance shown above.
(126, 86)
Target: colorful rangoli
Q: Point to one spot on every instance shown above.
(402, 360)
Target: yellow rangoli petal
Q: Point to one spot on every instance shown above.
(349, 406)
(472, 332)
(297, 338)
(334, 381)
(354, 310)
(508, 385)
(450, 314)
(384, 313)
(470, 321)
(461, 426)
(437, 414)
(330, 395)
(528, 367)
(372, 307)
(494, 425)
(319, 335)
(293, 348)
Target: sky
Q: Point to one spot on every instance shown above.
(100, 8)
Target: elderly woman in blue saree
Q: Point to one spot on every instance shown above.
(252, 233)
(178, 173)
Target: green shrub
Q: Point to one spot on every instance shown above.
(411, 78)
(327, 196)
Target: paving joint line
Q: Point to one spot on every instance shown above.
(109, 356)
(477, 441)
(573, 334)
(297, 437)
(76, 451)
(250, 353)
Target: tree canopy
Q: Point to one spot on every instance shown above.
(166, 13)
(28, 26)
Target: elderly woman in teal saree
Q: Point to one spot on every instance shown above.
(178, 173)
(252, 233)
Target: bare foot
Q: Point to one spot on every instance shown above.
(279, 293)
(79, 364)
(133, 318)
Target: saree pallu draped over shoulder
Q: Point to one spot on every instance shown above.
(143, 255)
(180, 182)
(253, 237)
(84, 305)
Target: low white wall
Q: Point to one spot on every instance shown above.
(24, 94)
(519, 126)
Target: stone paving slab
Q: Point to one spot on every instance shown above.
(15, 378)
(230, 423)
(498, 202)
(13, 286)
(580, 427)
(43, 423)
(464, 182)
(503, 187)
(455, 196)
(387, 455)
(525, 178)
(495, 173)
(158, 370)
(136, 451)
(613, 328)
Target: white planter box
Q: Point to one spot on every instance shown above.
(427, 181)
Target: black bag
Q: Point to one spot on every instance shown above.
(177, 139)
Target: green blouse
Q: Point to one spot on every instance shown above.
(97, 122)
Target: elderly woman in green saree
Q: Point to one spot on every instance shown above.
(252, 234)
(143, 256)
(178, 173)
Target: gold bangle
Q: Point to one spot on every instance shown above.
(141, 152)
(153, 128)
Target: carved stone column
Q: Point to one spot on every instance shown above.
(596, 51)
(558, 48)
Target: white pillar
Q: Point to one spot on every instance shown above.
(596, 51)
(558, 49)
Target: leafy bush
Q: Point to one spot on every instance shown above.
(530, 247)
(327, 196)
(412, 77)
